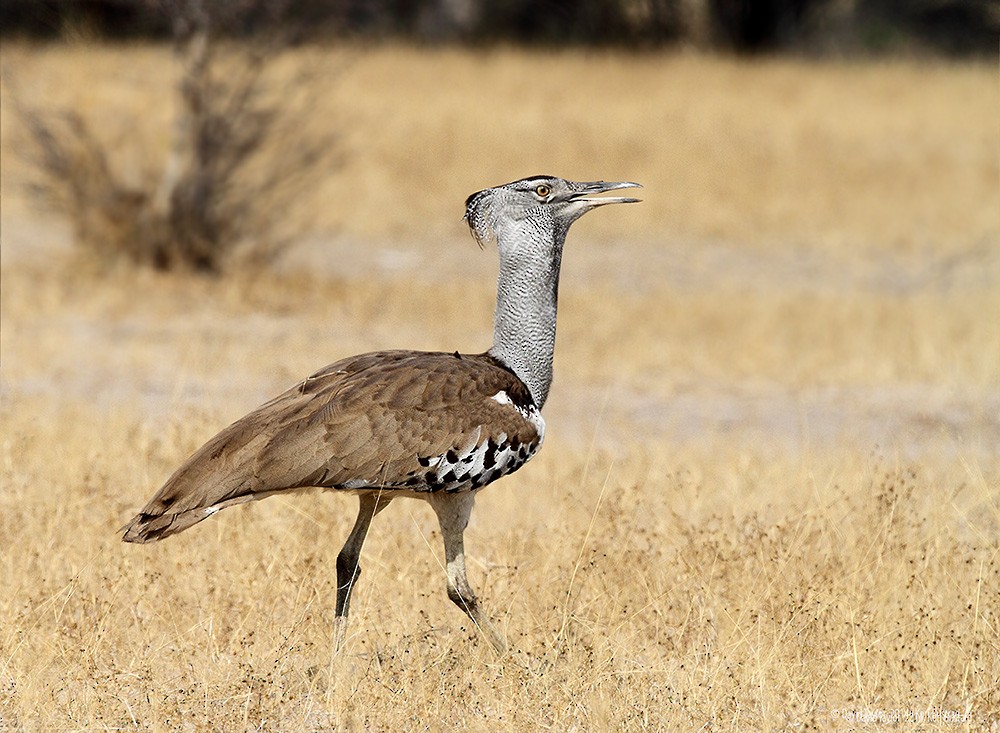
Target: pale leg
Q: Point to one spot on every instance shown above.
(453, 511)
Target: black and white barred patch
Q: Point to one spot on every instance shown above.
(473, 465)
(479, 462)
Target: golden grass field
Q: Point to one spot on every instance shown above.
(770, 495)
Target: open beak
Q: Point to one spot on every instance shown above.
(584, 191)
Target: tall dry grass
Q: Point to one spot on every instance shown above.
(768, 498)
(653, 590)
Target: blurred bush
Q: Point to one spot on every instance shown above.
(238, 140)
(959, 27)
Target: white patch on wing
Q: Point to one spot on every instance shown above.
(532, 414)
(474, 456)
(472, 442)
(503, 398)
(356, 483)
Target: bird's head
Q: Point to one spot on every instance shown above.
(544, 203)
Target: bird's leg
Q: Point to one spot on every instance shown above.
(453, 511)
(348, 561)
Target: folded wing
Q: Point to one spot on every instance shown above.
(392, 420)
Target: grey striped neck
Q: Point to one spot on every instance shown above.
(524, 325)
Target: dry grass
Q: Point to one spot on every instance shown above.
(654, 591)
(769, 495)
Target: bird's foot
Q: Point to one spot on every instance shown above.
(488, 630)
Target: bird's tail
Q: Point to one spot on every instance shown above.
(256, 456)
(151, 527)
(145, 527)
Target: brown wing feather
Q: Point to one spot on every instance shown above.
(366, 420)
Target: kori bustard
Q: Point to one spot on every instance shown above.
(435, 426)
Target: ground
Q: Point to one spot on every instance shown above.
(768, 497)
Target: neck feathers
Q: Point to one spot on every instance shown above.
(524, 327)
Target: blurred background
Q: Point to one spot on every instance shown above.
(771, 472)
(956, 27)
(818, 236)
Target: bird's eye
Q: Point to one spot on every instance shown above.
(543, 190)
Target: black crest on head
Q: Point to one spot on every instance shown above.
(476, 206)
(531, 179)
